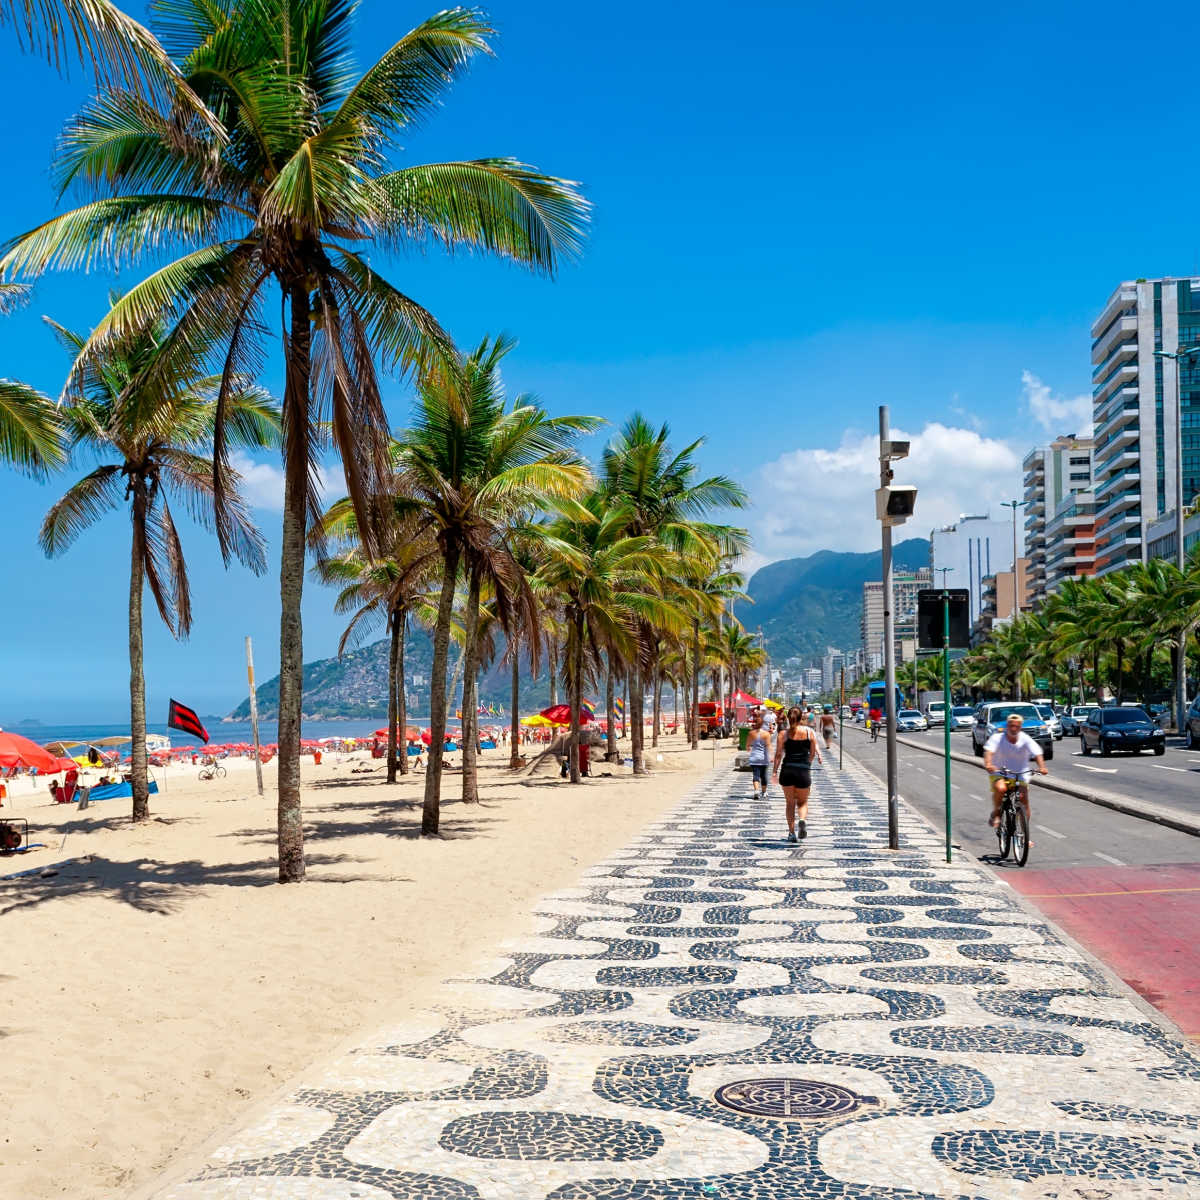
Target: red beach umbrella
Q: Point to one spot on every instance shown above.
(560, 714)
(18, 751)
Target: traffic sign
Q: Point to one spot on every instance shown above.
(930, 632)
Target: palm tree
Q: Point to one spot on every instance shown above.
(711, 590)
(666, 499)
(289, 192)
(741, 653)
(389, 589)
(155, 425)
(471, 465)
(607, 582)
(30, 431)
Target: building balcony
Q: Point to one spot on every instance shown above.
(1120, 339)
(1125, 457)
(1036, 456)
(1125, 397)
(1122, 377)
(1121, 303)
(1122, 434)
(1119, 479)
(1130, 498)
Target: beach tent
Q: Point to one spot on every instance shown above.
(18, 751)
(742, 703)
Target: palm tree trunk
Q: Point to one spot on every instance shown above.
(610, 700)
(430, 811)
(656, 704)
(1096, 675)
(553, 647)
(393, 717)
(695, 685)
(625, 710)
(289, 818)
(137, 680)
(637, 727)
(1120, 647)
(470, 717)
(675, 702)
(514, 735)
(401, 698)
(576, 684)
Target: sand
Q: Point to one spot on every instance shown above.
(163, 984)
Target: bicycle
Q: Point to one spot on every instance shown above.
(875, 730)
(212, 770)
(1013, 831)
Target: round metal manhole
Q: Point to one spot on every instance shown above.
(791, 1099)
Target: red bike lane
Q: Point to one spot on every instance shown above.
(1142, 922)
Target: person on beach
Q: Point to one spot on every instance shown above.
(795, 749)
(758, 743)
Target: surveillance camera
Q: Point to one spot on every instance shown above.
(895, 449)
(895, 503)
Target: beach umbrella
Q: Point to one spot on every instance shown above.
(427, 736)
(18, 751)
(560, 714)
(536, 719)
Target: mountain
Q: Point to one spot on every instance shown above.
(356, 684)
(806, 604)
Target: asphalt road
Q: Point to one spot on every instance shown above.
(1066, 832)
(1171, 779)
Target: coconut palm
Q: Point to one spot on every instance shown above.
(712, 590)
(292, 193)
(666, 499)
(390, 590)
(152, 426)
(471, 466)
(740, 652)
(30, 431)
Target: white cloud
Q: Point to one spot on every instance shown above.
(262, 483)
(814, 499)
(1056, 413)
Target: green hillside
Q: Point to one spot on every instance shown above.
(804, 605)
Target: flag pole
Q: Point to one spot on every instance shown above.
(254, 714)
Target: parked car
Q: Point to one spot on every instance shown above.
(1191, 725)
(935, 712)
(845, 712)
(1109, 729)
(910, 720)
(962, 716)
(1047, 713)
(1070, 726)
(991, 716)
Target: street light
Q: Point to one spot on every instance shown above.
(1176, 356)
(1014, 505)
(894, 504)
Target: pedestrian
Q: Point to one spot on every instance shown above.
(795, 748)
(758, 743)
(768, 719)
(828, 725)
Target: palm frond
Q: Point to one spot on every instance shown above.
(30, 429)
(83, 504)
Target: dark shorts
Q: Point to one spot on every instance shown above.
(797, 777)
(759, 771)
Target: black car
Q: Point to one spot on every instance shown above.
(1109, 729)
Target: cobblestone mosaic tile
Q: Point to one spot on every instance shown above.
(710, 957)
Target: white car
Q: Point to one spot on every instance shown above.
(909, 720)
(962, 716)
(1047, 713)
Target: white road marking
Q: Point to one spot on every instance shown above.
(1116, 862)
(1052, 832)
(1160, 767)
(1098, 770)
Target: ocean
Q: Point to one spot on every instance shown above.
(219, 732)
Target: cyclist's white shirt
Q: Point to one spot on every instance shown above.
(1013, 756)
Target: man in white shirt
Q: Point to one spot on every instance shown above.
(1011, 750)
(768, 718)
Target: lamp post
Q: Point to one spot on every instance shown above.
(1016, 606)
(1178, 356)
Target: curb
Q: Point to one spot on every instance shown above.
(1142, 810)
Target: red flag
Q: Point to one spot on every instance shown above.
(181, 717)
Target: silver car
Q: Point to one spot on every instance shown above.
(1047, 713)
(909, 720)
(962, 716)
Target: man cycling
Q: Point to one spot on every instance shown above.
(1011, 750)
(874, 716)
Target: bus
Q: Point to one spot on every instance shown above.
(875, 696)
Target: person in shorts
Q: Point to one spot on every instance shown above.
(758, 743)
(1012, 749)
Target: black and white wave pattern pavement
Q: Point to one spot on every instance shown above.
(883, 1025)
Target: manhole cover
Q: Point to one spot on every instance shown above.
(791, 1099)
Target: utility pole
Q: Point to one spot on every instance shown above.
(1179, 357)
(893, 506)
(1016, 604)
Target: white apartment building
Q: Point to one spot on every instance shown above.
(1134, 414)
(1059, 514)
(970, 550)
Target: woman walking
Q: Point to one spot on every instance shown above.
(795, 749)
(758, 743)
(828, 725)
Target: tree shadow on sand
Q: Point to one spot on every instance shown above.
(157, 887)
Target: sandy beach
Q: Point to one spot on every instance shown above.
(162, 984)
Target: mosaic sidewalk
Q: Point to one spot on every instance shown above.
(713, 1013)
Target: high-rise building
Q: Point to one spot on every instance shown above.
(1059, 514)
(970, 550)
(1134, 413)
(905, 586)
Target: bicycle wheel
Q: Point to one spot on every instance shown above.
(221, 772)
(1020, 836)
(1005, 831)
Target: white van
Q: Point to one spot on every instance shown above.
(935, 712)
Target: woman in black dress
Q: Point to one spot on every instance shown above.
(795, 749)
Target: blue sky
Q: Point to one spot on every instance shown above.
(801, 211)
